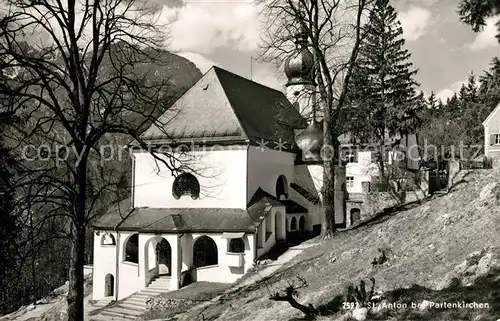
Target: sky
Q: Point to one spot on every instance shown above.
(226, 33)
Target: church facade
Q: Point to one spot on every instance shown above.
(247, 175)
(240, 189)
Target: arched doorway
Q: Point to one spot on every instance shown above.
(132, 249)
(279, 228)
(293, 224)
(109, 285)
(302, 223)
(205, 252)
(164, 257)
(355, 215)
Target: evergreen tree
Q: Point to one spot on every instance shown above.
(472, 91)
(432, 101)
(462, 94)
(489, 85)
(384, 89)
(453, 105)
(475, 12)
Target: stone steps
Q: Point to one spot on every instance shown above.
(135, 305)
(138, 300)
(153, 291)
(103, 302)
(125, 311)
(101, 317)
(118, 315)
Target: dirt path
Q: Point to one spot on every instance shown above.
(273, 267)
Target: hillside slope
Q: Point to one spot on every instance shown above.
(427, 242)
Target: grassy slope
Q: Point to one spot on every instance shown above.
(427, 241)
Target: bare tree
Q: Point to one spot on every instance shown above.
(334, 29)
(78, 73)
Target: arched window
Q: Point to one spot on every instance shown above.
(293, 224)
(236, 245)
(281, 187)
(205, 252)
(109, 285)
(132, 249)
(186, 184)
(355, 215)
(108, 239)
(302, 223)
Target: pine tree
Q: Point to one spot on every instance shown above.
(475, 12)
(432, 101)
(453, 105)
(384, 88)
(489, 85)
(472, 91)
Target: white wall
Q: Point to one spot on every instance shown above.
(316, 173)
(128, 275)
(492, 128)
(270, 221)
(221, 173)
(361, 171)
(264, 168)
(222, 272)
(104, 263)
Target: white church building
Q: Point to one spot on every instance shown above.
(244, 185)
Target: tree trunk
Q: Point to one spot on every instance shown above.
(381, 164)
(328, 228)
(76, 281)
(328, 199)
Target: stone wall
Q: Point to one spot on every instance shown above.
(369, 205)
(374, 203)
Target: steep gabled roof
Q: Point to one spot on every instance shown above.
(225, 106)
(490, 116)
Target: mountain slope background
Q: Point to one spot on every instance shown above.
(443, 250)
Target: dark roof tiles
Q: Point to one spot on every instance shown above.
(222, 104)
(152, 220)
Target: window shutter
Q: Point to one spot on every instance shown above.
(492, 140)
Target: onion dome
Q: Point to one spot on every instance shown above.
(299, 68)
(310, 141)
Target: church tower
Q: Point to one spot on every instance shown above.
(301, 92)
(300, 69)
